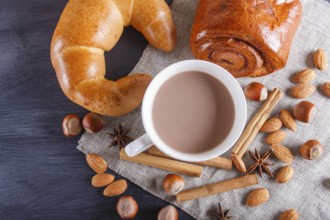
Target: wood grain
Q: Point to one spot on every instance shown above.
(42, 174)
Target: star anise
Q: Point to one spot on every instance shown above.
(223, 214)
(260, 163)
(120, 137)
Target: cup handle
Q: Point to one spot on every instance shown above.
(138, 146)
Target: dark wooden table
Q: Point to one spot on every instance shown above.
(42, 174)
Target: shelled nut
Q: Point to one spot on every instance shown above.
(271, 125)
(304, 76)
(287, 120)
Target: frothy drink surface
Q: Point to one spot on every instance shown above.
(193, 112)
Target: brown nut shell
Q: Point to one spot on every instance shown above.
(302, 91)
(168, 213)
(93, 123)
(116, 188)
(71, 125)
(239, 163)
(127, 207)
(304, 76)
(256, 91)
(304, 111)
(173, 184)
(102, 179)
(311, 150)
(276, 137)
(320, 59)
(326, 89)
(282, 153)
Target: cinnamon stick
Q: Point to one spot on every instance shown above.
(216, 188)
(163, 163)
(256, 123)
(218, 162)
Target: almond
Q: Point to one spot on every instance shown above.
(290, 214)
(276, 137)
(282, 153)
(116, 188)
(97, 163)
(304, 76)
(326, 89)
(287, 119)
(239, 163)
(271, 125)
(320, 59)
(102, 179)
(257, 197)
(284, 175)
(302, 91)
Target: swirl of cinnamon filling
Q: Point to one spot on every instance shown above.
(237, 56)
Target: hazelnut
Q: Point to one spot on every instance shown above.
(71, 125)
(311, 150)
(304, 111)
(93, 123)
(326, 89)
(168, 213)
(127, 207)
(173, 184)
(256, 91)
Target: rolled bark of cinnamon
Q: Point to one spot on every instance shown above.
(163, 163)
(218, 162)
(216, 188)
(256, 123)
(248, 38)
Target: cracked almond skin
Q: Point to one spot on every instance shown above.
(290, 214)
(271, 125)
(97, 163)
(304, 76)
(282, 153)
(302, 91)
(288, 120)
(276, 137)
(257, 197)
(284, 175)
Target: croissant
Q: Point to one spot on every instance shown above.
(246, 37)
(85, 30)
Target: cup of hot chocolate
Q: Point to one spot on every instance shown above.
(193, 111)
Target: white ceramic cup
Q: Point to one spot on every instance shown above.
(151, 137)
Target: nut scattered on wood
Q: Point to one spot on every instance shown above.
(127, 207)
(287, 120)
(116, 188)
(173, 184)
(276, 137)
(271, 125)
(311, 150)
(304, 111)
(93, 122)
(97, 163)
(239, 163)
(284, 175)
(71, 125)
(290, 214)
(257, 197)
(326, 89)
(302, 91)
(168, 213)
(304, 76)
(320, 59)
(256, 91)
(102, 179)
(282, 153)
